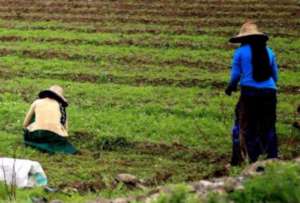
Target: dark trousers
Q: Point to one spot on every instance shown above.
(257, 119)
(236, 155)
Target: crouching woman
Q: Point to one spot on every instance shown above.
(46, 125)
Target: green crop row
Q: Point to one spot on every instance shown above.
(161, 40)
(154, 113)
(15, 65)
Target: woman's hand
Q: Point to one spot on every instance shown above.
(230, 89)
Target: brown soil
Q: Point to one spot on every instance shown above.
(83, 186)
(135, 60)
(137, 80)
(170, 13)
(180, 29)
(128, 60)
(89, 18)
(174, 151)
(199, 5)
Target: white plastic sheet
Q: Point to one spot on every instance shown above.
(22, 173)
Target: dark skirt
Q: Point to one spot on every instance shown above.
(47, 141)
(257, 122)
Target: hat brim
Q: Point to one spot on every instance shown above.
(243, 38)
(53, 95)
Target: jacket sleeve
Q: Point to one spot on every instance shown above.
(235, 69)
(29, 116)
(274, 66)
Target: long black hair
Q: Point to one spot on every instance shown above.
(262, 70)
(63, 118)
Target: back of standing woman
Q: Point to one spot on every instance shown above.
(254, 67)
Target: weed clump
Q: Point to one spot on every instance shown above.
(280, 183)
(112, 143)
(180, 194)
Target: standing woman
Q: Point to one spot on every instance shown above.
(46, 124)
(255, 67)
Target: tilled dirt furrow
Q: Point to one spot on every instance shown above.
(134, 81)
(212, 66)
(125, 60)
(207, 22)
(150, 13)
(171, 30)
(161, 5)
(128, 80)
(153, 43)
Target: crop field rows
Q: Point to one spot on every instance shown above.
(145, 82)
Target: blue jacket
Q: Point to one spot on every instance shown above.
(242, 69)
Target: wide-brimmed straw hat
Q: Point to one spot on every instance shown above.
(249, 30)
(56, 92)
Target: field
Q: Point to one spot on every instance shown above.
(145, 81)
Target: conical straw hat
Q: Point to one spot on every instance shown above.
(57, 92)
(248, 29)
